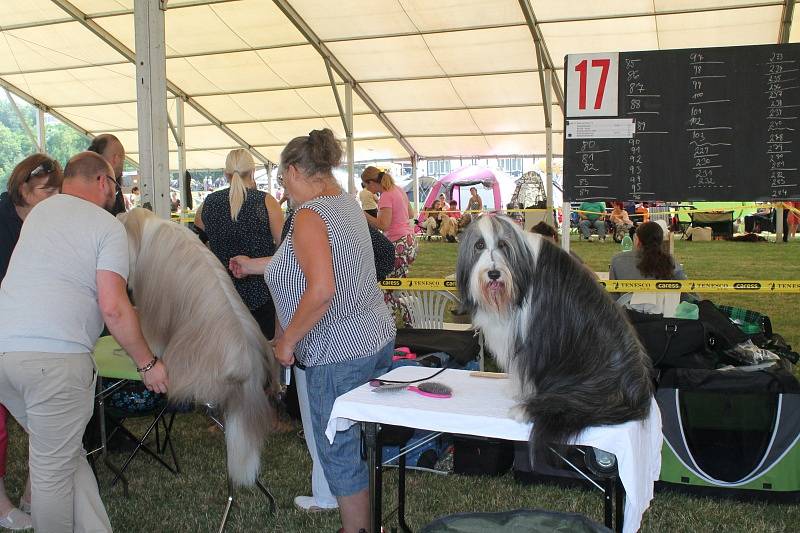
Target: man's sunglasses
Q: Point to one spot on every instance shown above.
(47, 167)
(117, 186)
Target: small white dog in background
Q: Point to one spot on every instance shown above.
(572, 355)
(193, 318)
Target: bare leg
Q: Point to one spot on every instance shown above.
(354, 511)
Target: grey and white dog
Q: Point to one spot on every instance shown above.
(572, 355)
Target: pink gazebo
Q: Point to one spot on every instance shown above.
(464, 178)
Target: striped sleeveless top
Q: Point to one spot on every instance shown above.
(357, 322)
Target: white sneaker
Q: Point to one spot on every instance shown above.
(16, 520)
(309, 505)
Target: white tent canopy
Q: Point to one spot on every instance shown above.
(430, 79)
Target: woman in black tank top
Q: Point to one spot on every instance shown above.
(241, 220)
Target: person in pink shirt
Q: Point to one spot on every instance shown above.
(394, 213)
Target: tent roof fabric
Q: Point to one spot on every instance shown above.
(438, 79)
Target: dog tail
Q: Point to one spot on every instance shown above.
(247, 419)
(558, 418)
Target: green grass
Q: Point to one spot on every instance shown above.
(194, 500)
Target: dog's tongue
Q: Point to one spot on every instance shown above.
(495, 285)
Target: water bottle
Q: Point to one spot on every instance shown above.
(627, 243)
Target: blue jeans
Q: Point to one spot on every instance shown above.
(341, 461)
(586, 224)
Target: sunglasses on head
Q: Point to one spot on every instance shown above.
(376, 180)
(47, 167)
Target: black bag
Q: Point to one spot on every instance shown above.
(481, 456)
(675, 342)
(384, 253)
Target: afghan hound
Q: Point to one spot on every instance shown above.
(573, 358)
(193, 318)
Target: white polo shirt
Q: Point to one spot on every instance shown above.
(48, 299)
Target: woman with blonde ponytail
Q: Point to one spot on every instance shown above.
(241, 220)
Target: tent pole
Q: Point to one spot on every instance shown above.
(348, 112)
(24, 123)
(42, 130)
(181, 140)
(151, 106)
(549, 147)
(565, 216)
(415, 181)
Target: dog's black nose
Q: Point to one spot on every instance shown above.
(493, 275)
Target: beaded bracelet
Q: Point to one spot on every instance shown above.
(148, 366)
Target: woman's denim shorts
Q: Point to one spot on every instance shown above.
(341, 461)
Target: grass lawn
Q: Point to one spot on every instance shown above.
(194, 500)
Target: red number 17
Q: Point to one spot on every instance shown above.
(580, 68)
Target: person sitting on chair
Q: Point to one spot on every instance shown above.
(592, 214)
(431, 219)
(621, 220)
(648, 260)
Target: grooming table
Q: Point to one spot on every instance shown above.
(480, 407)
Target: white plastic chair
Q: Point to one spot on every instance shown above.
(426, 309)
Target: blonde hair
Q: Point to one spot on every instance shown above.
(239, 166)
(375, 174)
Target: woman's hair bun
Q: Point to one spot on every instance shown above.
(324, 149)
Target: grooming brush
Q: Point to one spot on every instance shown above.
(432, 389)
(380, 386)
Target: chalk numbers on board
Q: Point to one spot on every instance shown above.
(779, 130)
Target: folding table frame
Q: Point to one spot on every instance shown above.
(613, 491)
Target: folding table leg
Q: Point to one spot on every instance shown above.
(620, 503)
(273, 506)
(118, 475)
(370, 430)
(608, 495)
(401, 493)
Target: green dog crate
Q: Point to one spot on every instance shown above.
(731, 433)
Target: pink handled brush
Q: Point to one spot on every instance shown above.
(432, 389)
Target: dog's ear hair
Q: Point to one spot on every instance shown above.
(520, 254)
(464, 265)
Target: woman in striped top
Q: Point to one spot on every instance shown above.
(331, 313)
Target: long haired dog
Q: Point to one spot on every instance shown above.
(573, 357)
(193, 318)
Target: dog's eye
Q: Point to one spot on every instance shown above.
(480, 245)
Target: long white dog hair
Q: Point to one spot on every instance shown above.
(572, 354)
(193, 318)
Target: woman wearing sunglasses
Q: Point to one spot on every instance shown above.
(34, 179)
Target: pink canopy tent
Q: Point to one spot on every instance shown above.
(464, 178)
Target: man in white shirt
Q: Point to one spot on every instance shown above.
(67, 277)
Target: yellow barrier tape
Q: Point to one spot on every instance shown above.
(419, 284)
(684, 285)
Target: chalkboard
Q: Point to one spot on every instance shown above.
(718, 124)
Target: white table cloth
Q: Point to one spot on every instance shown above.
(480, 406)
